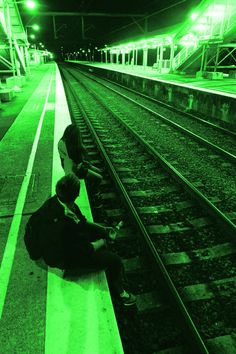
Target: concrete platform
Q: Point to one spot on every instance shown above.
(227, 86)
(214, 100)
(40, 312)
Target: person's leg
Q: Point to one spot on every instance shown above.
(104, 259)
(95, 169)
(94, 179)
(112, 264)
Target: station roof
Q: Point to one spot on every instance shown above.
(102, 30)
(209, 20)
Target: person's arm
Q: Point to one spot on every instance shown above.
(68, 163)
(98, 244)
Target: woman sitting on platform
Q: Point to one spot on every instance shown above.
(73, 159)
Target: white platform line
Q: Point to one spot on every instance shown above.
(78, 315)
(9, 252)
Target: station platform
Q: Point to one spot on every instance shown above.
(227, 86)
(40, 311)
(213, 100)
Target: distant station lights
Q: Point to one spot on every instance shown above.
(152, 42)
(35, 27)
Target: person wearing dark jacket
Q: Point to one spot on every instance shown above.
(73, 157)
(64, 239)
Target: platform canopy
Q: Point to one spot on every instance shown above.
(211, 20)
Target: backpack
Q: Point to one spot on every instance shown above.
(32, 237)
(41, 238)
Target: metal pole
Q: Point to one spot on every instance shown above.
(172, 52)
(9, 33)
(82, 27)
(54, 27)
(217, 57)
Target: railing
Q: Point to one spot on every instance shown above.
(183, 55)
(216, 27)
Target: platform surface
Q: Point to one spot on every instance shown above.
(40, 312)
(225, 87)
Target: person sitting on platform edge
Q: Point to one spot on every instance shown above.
(73, 157)
(59, 234)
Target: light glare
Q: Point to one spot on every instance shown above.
(30, 4)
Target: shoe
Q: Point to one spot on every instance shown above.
(128, 299)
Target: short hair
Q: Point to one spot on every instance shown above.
(68, 188)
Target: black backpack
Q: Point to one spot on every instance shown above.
(32, 236)
(41, 237)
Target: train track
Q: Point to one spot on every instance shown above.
(188, 240)
(208, 161)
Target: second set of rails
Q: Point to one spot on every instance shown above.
(188, 238)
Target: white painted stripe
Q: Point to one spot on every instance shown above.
(79, 315)
(9, 252)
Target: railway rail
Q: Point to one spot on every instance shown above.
(211, 172)
(189, 241)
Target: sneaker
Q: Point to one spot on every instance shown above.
(128, 299)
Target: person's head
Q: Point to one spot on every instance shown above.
(74, 143)
(71, 133)
(68, 188)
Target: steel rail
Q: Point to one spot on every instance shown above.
(218, 215)
(166, 105)
(217, 149)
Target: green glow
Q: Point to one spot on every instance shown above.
(35, 27)
(208, 20)
(201, 27)
(193, 16)
(188, 40)
(32, 36)
(30, 4)
(215, 11)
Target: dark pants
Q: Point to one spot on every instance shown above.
(102, 259)
(92, 176)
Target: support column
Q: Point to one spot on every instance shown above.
(9, 35)
(158, 55)
(26, 55)
(136, 57)
(132, 60)
(203, 57)
(54, 27)
(217, 57)
(129, 58)
(145, 57)
(172, 54)
(161, 58)
(123, 58)
(82, 27)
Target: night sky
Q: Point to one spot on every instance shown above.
(104, 30)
